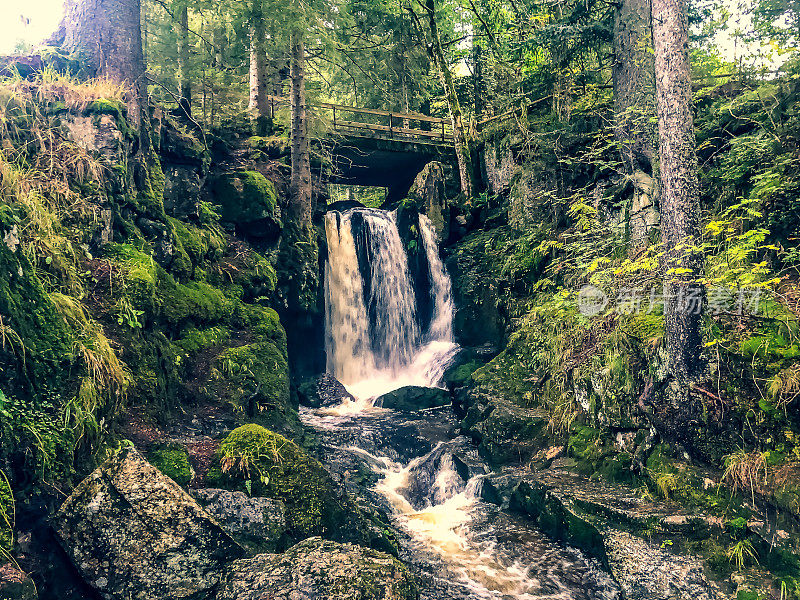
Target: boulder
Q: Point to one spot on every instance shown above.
(248, 200)
(16, 585)
(133, 533)
(182, 185)
(323, 391)
(413, 397)
(319, 569)
(429, 191)
(258, 524)
(504, 431)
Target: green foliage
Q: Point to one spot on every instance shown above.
(172, 460)
(7, 515)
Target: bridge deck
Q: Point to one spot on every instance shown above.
(381, 124)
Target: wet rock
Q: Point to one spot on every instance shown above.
(319, 569)
(602, 519)
(412, 397)
(258, 524)
(504, 431)
(16, 585)
(322, 392)
(133, 533)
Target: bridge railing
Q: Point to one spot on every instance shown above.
(367, 122)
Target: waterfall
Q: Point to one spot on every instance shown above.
(373, 339)
(441, 327)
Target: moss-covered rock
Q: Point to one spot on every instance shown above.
(245, 197)
(172, 460)
(326, 569)
(256, 460)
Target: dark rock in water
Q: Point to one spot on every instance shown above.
(258, 524)
(504, 431)
(317, 568)
(323, 391)
(134, 533)
(16, 585)
(413, 397)
(435, 477)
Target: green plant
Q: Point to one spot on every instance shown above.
(741, 553)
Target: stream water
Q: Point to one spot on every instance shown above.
(427, 476)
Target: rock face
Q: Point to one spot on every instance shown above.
(429, 190)
(133, 533)
(258, 524)
(412, 397)
(16, 585)
(600, 519)
(316, 569)
(322, 392)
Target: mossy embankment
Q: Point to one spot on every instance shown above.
(131, 282)
(555, 219)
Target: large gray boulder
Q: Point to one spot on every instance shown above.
(258, 524)
(323, 391)
(317, 569)
(134, 534)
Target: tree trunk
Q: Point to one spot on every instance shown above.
(184, 78)
(463, 151)
(107, 34)
(633, 74)
(259, 101)
(300, 184)
(680, 219)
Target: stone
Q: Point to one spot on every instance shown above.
(134, 534)
(258, 524)
(16, 585)
(182, 185)
(412, 397)
(323, 391)
(429, 191)
(645, 571)
(316, 569)
(504, 431)
(248, 200)
(97, 133)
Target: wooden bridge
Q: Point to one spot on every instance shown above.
(378, 147)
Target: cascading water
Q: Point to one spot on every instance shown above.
(431, 482)
(373, 338)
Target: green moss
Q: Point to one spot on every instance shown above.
(29, 312)
(196, 340)
(273, 147)
(244, 197)
(107, 106)
(173, 461)
(6, 515)
(277, 468)
(196, 301)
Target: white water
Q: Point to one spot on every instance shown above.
(374, 345)
(373, 341)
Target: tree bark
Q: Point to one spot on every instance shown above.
(633, 75)
(259, 101)
(184, 77)
(463, 150)
(300, 184)
(680, 218)
(107, 35)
